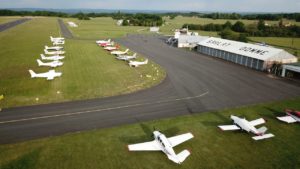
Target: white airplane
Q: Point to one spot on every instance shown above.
(137, 63)
(58, 42)
(126, 57)
(119, 52)
(56, 57)
(56, 39)
(111, 48)
(103, 41)
(292, 116)
(249, 126)
(54, 52)
(164, 144)
(54, 48)
(50, 75)
(54, 63)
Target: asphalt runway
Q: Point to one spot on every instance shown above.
(195, 83)
(9, 25)
(64, 30)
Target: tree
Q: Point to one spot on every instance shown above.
(261, 25)
(228, 25)
(239, 27)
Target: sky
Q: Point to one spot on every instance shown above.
(173, 5)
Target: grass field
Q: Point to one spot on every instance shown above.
(289, 44)
(211, 148)
(88, 71)
(5, 19)
(102, 27)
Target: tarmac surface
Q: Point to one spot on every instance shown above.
(195, 83)
(64, 29)
(9, 25)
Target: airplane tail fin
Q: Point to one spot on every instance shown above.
(146, 61)
(262, 129)
(134, 55)
(126, 50)
(108, 40)
(183, 155)
(180, 157)
(43, 56)
(32, 74)
(39, 62)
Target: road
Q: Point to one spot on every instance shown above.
(9, 25)
(195, 83)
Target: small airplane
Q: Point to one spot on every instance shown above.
(137, 64)
(54, 48)
(50, 75)
(119, 52)
(249, 126)
(56, 57)
(58, 42)
(164, 144)
(107, 44)
(56, 39)
(111, 48)
(54, 52)
(292, 116)
(103, 41)
(126, 57)
(54, 63)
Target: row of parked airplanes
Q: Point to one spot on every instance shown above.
(54, 57)
(121, 55)
(164, 144)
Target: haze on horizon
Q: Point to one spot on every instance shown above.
(172, 5)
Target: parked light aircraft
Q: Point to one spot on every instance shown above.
(119, 52)
(54, 52)
(56, 57)
(164, 144)
(54, 48)
(249, 126)
(111, 48)
(126, 57)
(50, 75)
(107, 44)
(292, 116)
(58, 42)
(103, 41)
(56, 39)
(137, 63)
(54, 63)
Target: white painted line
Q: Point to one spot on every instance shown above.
(104, 109)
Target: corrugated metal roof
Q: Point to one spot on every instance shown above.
(247, 49)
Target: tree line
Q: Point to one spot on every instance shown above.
(240, 31)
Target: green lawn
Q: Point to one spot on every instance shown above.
(88, 70)
(5, 19)
(101, 27)
(211, 148)
(289, 44)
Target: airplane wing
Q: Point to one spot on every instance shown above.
(257, 122)
(287, 119)
(147, 146)
(229, 127)
(180, 139)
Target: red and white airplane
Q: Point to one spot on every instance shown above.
(111, 48)
(164, 144)
(249, 126)
(292, 116)
(107, 44)
(103, 41)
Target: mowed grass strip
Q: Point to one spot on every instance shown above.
(88, 70)
(210, 148)
(101, 27)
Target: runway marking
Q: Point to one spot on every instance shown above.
(104, 109)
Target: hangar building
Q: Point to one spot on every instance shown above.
(253, 56)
